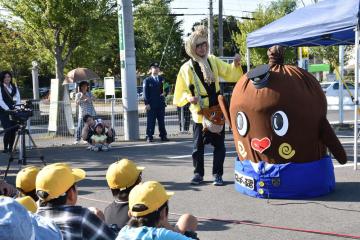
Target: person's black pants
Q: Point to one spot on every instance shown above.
(200, 139)
(9, 136)
(152, 115)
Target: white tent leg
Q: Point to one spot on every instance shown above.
(341, 86)
(248, 59)
(356, 95)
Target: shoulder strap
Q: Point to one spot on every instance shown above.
(197, 87)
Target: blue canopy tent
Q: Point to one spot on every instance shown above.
(327, 23)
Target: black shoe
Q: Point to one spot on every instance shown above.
(218, 181)
(165, 139)
(197, 179)
(5, 150)
(149, 140)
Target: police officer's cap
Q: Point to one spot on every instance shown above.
(259, 76)
(154, 64)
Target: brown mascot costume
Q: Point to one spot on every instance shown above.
(278, 118)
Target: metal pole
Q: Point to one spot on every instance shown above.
(182, 120)
(112, 113)
(221, 31)
(35, 80)
(211, 28)
(128, 69)
(28, 127)
(248, 59)
(356, 95)
(341, 87)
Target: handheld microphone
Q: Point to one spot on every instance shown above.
(192, 89)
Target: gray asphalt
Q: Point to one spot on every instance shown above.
(338, 212)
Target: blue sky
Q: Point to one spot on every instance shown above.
(230, 7)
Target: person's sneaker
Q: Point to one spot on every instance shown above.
(165, 139)
(149, 139)
(197, 179)
(218, 181)
(76, 142)
(96, 149)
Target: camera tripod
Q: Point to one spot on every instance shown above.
(22, 132)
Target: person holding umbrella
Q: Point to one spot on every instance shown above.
(84, 100)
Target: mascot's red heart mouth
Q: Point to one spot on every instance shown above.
(260, 145)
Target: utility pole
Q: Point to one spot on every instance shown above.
(128, 69)
(211, 28)
(221, 31)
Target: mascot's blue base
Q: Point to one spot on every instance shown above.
(286, 181)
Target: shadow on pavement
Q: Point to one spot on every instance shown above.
(344, 192)
(211, 225)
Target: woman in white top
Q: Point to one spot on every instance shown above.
(9, 97)
(84, 100)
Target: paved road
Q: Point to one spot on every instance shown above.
(171, 164)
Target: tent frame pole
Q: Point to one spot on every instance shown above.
(341, 85)
(356, 96)
(248, 59)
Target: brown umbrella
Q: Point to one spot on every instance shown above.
(80, 74)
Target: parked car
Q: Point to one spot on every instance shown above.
(331, 90)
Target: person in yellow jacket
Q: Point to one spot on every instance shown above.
(198, 83)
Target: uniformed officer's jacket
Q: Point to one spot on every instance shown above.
(185, 78)
(153, 92)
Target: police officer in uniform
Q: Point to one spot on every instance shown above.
(154, 98)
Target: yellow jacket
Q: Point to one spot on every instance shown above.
(185, 78)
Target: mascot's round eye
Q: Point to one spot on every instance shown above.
(241, 123)
(280, 123)
(213, 114)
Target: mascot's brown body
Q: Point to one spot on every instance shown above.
(280, 117)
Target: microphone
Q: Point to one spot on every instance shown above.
(192, 89)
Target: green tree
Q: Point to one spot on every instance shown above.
(330, 54)
(16, 56)
(158, 36)
(100, 52)
(263, 16)
(230, 27)
(58, 26)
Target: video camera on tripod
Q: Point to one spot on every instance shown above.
(22, 112)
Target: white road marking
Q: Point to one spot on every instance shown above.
(149, 144)
(345, 165)
(187, 156)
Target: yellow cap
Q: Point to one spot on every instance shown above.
(28, 203)
(55, 179)
(151, 194)
(25, 179)
(122, 174)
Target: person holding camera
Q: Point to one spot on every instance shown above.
(9, 97)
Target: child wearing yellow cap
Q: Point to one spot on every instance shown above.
(56, 188)
(121, 176)
(148, 207)
(25, 181)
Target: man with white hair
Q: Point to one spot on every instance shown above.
(198, 83)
